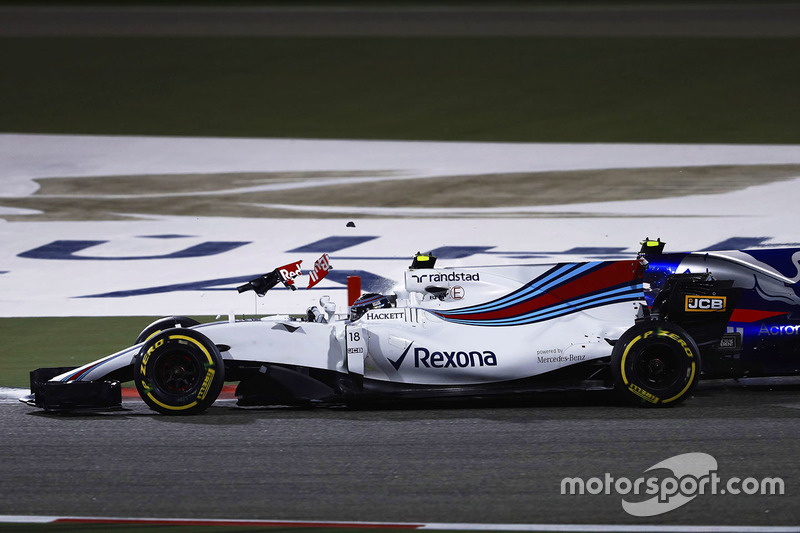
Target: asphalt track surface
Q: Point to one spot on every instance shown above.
(474, 463)
(489, 20)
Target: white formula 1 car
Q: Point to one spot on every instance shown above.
(640, 326)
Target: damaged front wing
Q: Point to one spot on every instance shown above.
(71, 395)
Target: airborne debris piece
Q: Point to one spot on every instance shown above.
(648, 327)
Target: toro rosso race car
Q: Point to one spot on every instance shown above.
(648, 327)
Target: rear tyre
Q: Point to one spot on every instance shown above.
(165, 323)
(655, 364)
(179, 372)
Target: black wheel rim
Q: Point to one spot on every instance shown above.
(658, 367)
(176, 372)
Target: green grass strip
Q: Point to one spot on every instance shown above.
(31, 343)
(478, 89)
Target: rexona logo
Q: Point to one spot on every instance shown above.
(424, 358)
(705, 303)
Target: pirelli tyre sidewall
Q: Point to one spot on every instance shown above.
(655, 364)
(179, 372)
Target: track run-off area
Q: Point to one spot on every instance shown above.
(149, 226)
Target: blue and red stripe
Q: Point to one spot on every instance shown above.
(76, 376)
(564, 289)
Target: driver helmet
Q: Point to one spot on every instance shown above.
(371, 301)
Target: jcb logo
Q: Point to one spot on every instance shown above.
(705, 303)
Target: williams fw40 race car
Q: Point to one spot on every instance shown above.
(648, 327)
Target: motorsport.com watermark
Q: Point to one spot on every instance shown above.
(693, 474)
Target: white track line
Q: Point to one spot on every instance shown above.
(12, 395)
(35, 519)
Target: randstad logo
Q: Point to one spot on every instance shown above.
(692, 474)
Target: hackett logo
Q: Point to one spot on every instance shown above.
(705, 303)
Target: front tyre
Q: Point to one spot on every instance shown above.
(179, 372)
(655, 364)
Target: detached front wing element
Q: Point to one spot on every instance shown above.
(71, 395)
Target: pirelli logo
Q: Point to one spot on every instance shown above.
(705, 303)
